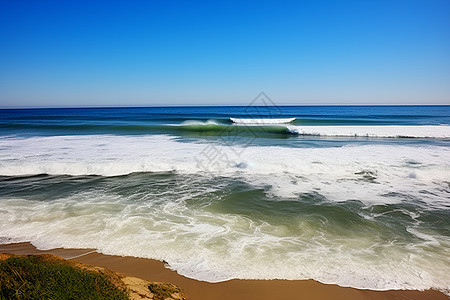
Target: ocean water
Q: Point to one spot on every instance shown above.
(357, 195)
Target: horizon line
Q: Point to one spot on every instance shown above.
(203, 105)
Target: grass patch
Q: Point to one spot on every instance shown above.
(45, 277)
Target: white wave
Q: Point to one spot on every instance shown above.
(262, 121)
(429, 131)
(197, 122)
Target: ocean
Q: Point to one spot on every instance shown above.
(357, 196)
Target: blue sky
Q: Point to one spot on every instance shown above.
(72, 53)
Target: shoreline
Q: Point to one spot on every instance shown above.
(154, 270)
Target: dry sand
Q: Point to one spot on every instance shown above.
(153, 270)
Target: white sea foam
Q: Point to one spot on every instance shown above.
(426, 131)
(212, 246)
(339, 173)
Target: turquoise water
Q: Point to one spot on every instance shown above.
(357, 196)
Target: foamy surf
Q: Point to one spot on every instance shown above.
(439, 132)
(350, 215)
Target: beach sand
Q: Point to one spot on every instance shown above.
(154, 270)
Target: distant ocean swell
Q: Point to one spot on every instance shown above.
(215, 128)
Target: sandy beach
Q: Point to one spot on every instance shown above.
(233, 289)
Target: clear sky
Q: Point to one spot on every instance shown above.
(163, 52)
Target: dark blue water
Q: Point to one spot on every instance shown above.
(147, 120)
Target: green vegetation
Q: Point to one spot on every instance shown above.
(46, 277)
(163, 291)
(50, 277)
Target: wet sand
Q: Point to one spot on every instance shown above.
(154, 270)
